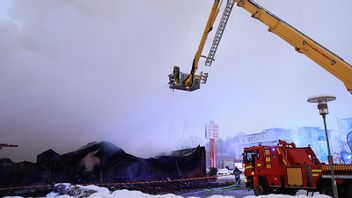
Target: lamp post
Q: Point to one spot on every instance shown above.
(323, 111)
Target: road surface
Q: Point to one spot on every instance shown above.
(236, 191)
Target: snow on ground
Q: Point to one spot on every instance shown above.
(137, 194)
(100, 192)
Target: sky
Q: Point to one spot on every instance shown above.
(73, 72)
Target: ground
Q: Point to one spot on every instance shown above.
(236, 191)
(224, 192)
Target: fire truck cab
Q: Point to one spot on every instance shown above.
(284, 169)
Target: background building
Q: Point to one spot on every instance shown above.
(231, 148)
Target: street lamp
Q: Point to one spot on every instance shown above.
(323, 110)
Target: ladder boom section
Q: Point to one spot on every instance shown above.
(208, 28)
(190, 82)
(302, 43)
(220, 31)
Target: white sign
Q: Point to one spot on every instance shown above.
(212, 131)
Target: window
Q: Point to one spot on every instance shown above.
(249, 156)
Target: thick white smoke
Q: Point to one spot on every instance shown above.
(72, 72)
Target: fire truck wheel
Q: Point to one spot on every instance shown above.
(262, 189)
(259, 191)
(326, 189)
(290, 191)
(286, 191)
(348, 189)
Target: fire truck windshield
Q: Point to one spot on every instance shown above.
(248, 156)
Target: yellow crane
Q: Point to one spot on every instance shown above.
(301, 42)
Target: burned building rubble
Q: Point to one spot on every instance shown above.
(102, 162)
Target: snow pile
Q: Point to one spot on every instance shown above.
(67, 190)
(138, 194)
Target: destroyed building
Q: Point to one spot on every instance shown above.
(102, 163)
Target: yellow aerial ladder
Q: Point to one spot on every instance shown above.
(301, 42)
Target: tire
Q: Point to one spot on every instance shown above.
(259, 191)
(286, 191)
(326, 189)
(290, 191)
(262, 189)
(348, 189)
(249, 182)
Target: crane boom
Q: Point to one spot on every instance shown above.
(301, 42)
(191, 81)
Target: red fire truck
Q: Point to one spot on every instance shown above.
(285, 169)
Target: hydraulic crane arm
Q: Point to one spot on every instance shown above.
(191, 81)
(208, 28)
(302, 43)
